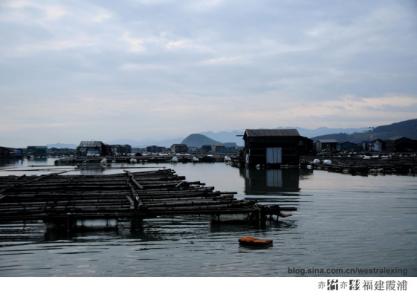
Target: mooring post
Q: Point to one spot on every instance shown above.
(263, 217)
(259, 217)
(70, 222)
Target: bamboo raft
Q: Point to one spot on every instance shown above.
(64, 199)
(80, 161)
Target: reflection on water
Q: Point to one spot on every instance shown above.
(342, 222)
(270, 181)
(92, 170)
(12, 162)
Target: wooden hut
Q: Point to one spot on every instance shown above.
(349, 146)
(273, 147)
(37, 151)
(179, 148)
(93, 148)
(327, 145)
(377, 145)
(121, 150)
(156, 149)
(4, 152)
(405, 145)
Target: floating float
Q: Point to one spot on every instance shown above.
(254, 242)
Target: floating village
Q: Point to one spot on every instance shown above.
(69, 201)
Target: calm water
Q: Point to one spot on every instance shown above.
(342, 222)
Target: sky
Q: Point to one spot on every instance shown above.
(139, 69)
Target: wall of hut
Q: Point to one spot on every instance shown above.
(256, 147)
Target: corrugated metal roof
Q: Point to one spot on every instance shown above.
(271, 132)
(91, 144)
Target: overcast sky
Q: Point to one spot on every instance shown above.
(75, 70)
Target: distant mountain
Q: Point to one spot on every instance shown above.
(198, 140)
(230, 145)
(226, 136)
(325, 130)
(147, 142)
(61, 145)
(235, 135)
(385, 132)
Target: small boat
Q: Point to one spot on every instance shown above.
(254, 242)
(195, 159)
(174, 159)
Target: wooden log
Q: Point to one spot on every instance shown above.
(131, 201)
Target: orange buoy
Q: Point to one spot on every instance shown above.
(254, 242)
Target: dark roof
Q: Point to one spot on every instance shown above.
(328, 141)
(271, 132)
(91, 144)
(348, 143)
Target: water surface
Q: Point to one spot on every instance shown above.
(342, 221)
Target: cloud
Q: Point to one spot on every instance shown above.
(225, 60)
(204, 5)
(346, 111)
(75, 42)
(202, 65)
(20, 9)
(135, 44)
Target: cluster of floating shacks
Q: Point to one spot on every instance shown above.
(262, 147)
(98, 148)
(402, 144)
(66, 200)
(86, 148)
(6, 153)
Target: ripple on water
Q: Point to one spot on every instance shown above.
(341, 221)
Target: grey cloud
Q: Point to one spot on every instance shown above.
(178, 62)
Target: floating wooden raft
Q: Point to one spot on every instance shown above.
(127, 195)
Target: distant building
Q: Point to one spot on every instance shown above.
(156, 149)
(273, 147)
(93, 148)
(405, 145)
(37, 151)
(137, 150)
(218, 149)
(205, 149)
(327, 145)
(179, 148)
(349, 146)
(61, 151)
(231, 146)
(377, 145)
(121, 150)
(4, 152)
